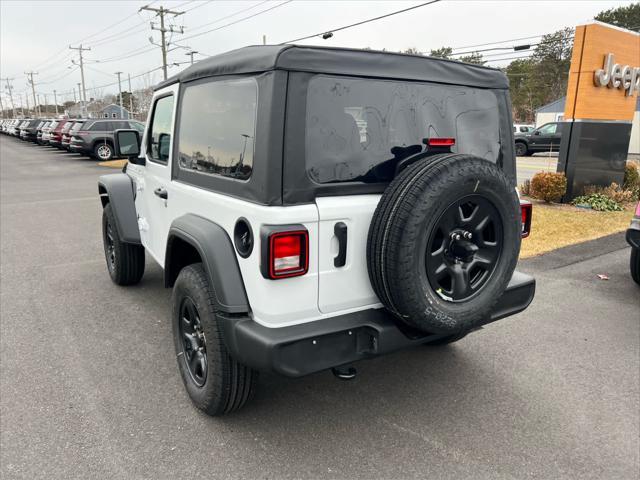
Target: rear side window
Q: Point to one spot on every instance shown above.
(76, 127)
(160, 134)
(217, 128)
(136, 126)
(357, 130)
(100, 127)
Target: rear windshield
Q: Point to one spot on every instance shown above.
(53, 125)
(66, 127)
(76, 126)
(357, 130)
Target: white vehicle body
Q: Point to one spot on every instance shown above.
(323, 292)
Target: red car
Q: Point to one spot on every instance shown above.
(633, 238)
(55, 136)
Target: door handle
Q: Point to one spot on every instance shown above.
(340, 231)
(161, 192)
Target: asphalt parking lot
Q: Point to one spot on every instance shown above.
(89, 386)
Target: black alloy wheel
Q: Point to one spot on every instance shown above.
(111, 248)
(464, 248)
(194, 348)
(521, 149)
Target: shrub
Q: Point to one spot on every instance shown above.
(631, 177)
(525, 188)
(614, 192)
(598, 202)
(632, 180)
(548, 186)
(617, 194)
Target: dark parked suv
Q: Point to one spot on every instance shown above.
(28, 132)
(95, 137)
(543, 139)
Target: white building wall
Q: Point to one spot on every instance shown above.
(546, 117)
(634, 144)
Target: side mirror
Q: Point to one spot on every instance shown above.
(537, 132)
(127, 144)
(164, 140)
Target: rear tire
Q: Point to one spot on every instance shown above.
(634, 265)
(216, 383)
(125, 261)
(103, 151)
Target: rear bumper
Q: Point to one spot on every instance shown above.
(311, 347)
(633, 233)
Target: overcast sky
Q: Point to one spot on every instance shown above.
(35, 35)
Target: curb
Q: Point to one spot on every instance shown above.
(576, 253)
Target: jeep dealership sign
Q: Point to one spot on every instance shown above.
(614, 75)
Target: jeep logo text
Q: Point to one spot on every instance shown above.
(614, 75)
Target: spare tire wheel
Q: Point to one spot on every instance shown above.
(443, 242)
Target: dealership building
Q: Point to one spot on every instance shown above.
(554, 112)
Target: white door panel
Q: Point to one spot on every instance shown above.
(154, 218)
(347, 287)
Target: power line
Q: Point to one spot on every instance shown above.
(227, 16)
(237, 21)
(333, 30)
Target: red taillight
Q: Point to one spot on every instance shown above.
(441, 142)
(526, 210)
(288, 254)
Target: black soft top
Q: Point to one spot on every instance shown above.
(341, 61)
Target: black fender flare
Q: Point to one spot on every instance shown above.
(118, 190)
(218, 259)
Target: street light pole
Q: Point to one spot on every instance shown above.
(80, 50)
(55, 99)
(120, 93)
(130, 97)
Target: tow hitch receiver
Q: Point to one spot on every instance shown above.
(344, 372)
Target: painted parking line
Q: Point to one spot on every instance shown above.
(113, 163)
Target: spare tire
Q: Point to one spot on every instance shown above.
(444, 241)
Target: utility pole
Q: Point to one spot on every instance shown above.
(264, 39)
(39, 109)
(161, 12)
(120, 93)
(33, 89)
(46, 105)
(26, 98)
(1, 107)
(13, 107)
(55, 99)
(130, 97)
(191, 54)
(80, 50)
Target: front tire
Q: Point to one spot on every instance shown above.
(634, 265)
(216, 383)
(125, 261)
(522, 150)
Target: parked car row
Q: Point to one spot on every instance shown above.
(93, 137)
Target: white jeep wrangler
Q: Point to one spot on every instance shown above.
(312, 207)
